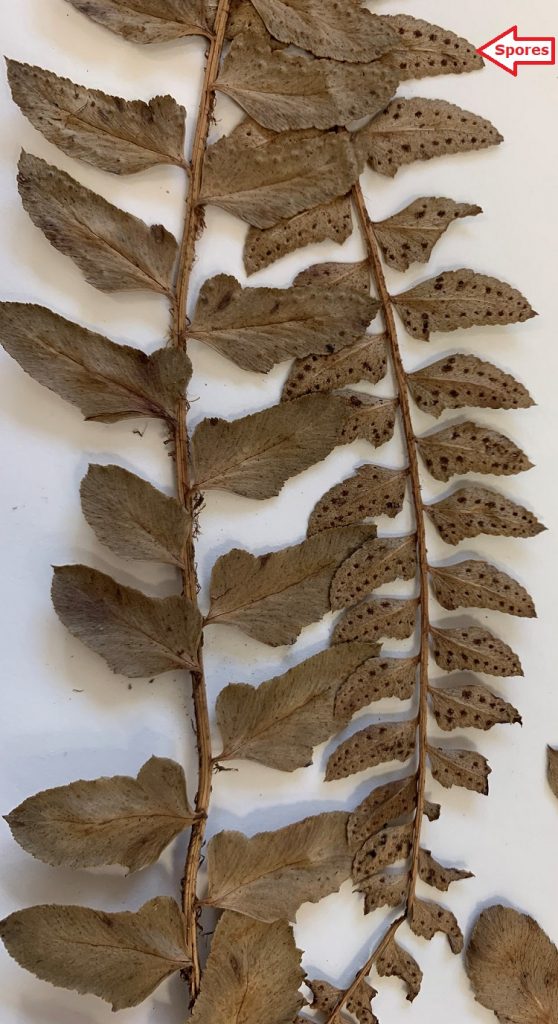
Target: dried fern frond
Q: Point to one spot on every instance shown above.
(317, 84)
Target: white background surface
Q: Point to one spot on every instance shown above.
(65, 716)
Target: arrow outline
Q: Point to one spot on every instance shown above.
(519, 39)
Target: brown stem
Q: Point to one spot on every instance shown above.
(422, 552)
(365, 970)
(422, 561)
(193, 223)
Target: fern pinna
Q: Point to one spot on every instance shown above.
(317, 84)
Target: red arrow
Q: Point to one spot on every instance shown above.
(508, 50)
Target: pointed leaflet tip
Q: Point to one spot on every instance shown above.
(133, 518)
(424, 50)
(410, 235)
(417, 129)
(461, 298)
(117, 135)
(114, 250)
(122, 957)
(148, 21)
(120, 820)
(137, 635)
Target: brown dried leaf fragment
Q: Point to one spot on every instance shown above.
(244, 18)
(397, 962)
(419, 129)
(437, 875)
(288, 93)
(135, 634)
(148, 21)
(327, 996)
(255, 455)
(552, 769)
(348, 33)
(432, 811)
(376, 679)
(424, 50)
(382, 806)
(107, 382)
(476, 649)
(464, 768)
(365, 359)
(253, 974)
(133, 518)
(382, 850)
(271, 875)
(381, 560)
(472, 510)
(462, 380)
(377, 618)
(410, 235)
(457, 299)
(280, 722)
(513, 967)
(117, 135)
(354, 276)
(258, 327)
(272, 597)
(471, 706)
(331, 221)
(378, 744)
(371, 491)
(360, 1005)
(265, 178)
(114, 250)
(476, 584)
(427, 918)
(120, 820)
(471, 448)
(371, 419)
(121, 958)
(387, 890)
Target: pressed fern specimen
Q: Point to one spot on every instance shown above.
(291, 170)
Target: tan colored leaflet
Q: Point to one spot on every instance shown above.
(117, 135)
(120, 957)
(119, 820)
(114, 250)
